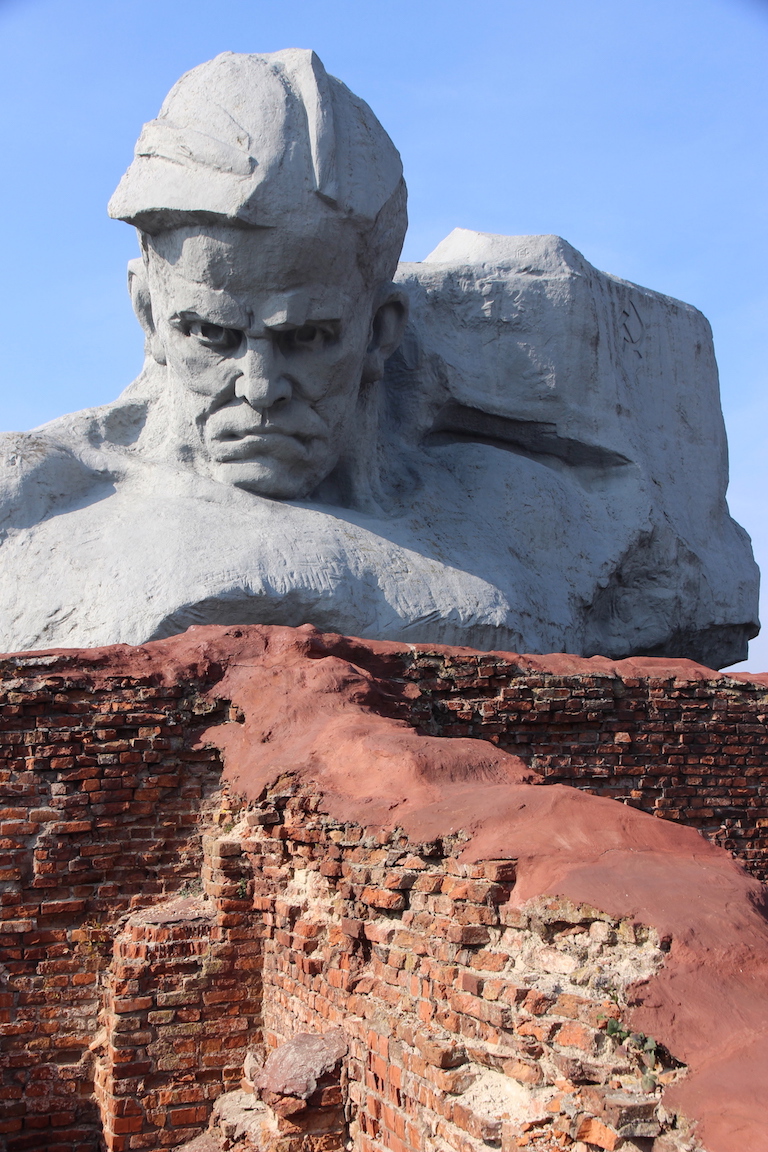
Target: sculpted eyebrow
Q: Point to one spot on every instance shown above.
(223, 321)
(290, 325)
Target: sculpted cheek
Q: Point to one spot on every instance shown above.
(340, 377)
(199, 373)
(209, 382)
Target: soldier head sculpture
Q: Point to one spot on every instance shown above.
(536, 462)
(271, 209)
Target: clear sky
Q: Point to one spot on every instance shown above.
(636, 129)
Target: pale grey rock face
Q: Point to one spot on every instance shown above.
(537, 462)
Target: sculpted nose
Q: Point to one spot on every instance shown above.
(262, 380)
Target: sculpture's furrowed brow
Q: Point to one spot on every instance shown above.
(214, 308)
(302, 306)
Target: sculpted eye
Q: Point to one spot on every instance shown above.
(308, 338)
(214, 335)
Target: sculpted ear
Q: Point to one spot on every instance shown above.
(387, 329)
(138, 286)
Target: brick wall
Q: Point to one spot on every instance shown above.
(471, 1025)
(106, 794)
(674, 742)
(181, 1006)
(102, 798)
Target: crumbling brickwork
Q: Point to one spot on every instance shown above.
(471, 1024)
(181, 1004)
(111, 984)
(103, 795)
(690, 748)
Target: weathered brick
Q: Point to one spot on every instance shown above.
(440, 1053)
(593, 1131)
(383, 898)
(576, 1035)
(124, 755)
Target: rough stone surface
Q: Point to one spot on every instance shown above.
(295, 1068)
(589, 408)
(508, 961)
(540, 465)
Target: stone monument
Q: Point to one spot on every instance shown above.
(499, 446)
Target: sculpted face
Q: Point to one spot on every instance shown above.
(267, 335)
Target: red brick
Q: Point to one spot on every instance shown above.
(593, 1131)
(526, 1072)
(575, 1035)
(185, 1116)
(383, 898)
(61, 907)
(468, 934)
(441, 1053)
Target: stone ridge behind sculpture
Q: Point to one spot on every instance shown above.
(534, 460)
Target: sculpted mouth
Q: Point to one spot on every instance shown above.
(230, 437)
(242, 445)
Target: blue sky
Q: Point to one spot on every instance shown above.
(635, 129)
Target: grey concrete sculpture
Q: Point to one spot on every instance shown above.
(535, 460)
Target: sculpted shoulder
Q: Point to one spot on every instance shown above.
(60, 465)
